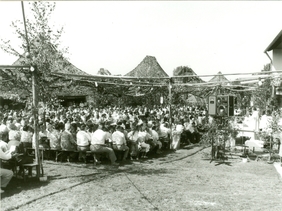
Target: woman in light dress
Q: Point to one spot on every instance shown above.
(176, 135)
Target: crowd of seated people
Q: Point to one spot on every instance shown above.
(125, 133)
(136, 132)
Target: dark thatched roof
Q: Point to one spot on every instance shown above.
(68, 68)
(149, 67)
(185, 71)
(103, 71)
(61, 65)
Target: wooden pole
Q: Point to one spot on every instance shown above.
(35, 115)
(170, 115)
(34, 102)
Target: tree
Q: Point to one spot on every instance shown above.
(262, 95)
(42, 51)
(180, 92)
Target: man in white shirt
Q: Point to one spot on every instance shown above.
(82, 140)
(119, 141)
(164, 135)
(4, 130)
(6, 175)
(155, 136)
(98, 145)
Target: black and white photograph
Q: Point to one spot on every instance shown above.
(141, 105)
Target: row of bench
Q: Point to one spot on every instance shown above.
(47, 152)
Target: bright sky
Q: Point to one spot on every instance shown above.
(208, 36)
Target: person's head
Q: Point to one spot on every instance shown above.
(101, 125)
(73, 127)
(61, 125)
(150, 124)
(82, 126)
(9, 119)
(95, 127)
(89, 125)
(57, 126)
(140, 124)
(134, 126)
(67, 126)
(13, 127)
(49, 126)
(1, 136)
(25, 128)
(119, 128)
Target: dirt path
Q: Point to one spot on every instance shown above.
(183, 180)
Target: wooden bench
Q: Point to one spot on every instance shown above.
(47, 151)
(29, 168)
(62, 152)
(94, 155)
(119, 154)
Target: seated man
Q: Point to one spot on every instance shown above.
(26, 137)
(14, 136)
(119, 141)
(98, 144)
(155, 137)
(164, 135)
(5, 154)
(83, 140)
(143, 139)
(68, 141)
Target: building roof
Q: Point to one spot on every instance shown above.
(149, 67)
(185, 71)
(276, 43)
(103, 71)
(67, 67)
(219, 78)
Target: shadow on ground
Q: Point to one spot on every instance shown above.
(17, 185)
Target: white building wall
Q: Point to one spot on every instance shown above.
(277, 59)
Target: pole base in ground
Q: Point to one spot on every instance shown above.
(43, 178)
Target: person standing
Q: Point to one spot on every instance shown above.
(255, 118)
(176, 134)
(194, 134)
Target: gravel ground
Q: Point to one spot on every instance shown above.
(182, 180)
